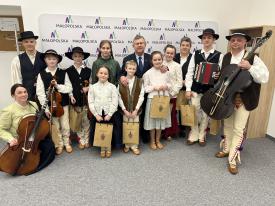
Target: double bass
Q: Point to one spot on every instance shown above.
(218, 102)
(24, 157)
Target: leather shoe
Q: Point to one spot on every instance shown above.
(108, 154)
(233, 169)
(68, 148)
(59, 150)
(126, 149)
(81, 146)
(221, 154)
(189, 142)
(136, 151)
(202, 143)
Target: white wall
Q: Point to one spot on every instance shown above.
(228, 14)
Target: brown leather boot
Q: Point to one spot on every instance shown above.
(153, 145)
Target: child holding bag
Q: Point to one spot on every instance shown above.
(103, 102)
(156, 83)
(130, 100)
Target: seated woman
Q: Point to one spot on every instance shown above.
(9, 122)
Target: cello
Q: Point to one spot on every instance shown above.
(24, 157)
(218, 102)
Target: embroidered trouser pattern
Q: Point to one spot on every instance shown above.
(234, 128)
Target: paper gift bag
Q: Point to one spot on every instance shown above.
(188, 115)
(181, 99)
(215, 126)
(75, 116)
(130, 132)
(159, 107)
(103, 135)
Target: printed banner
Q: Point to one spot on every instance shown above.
(63, 32)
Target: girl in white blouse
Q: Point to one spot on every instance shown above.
(103, 102)
(155, 83)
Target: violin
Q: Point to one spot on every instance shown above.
(85, 96)
(219, 101)
(56, 108)
(24, 157)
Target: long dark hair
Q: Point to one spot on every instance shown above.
(101, 44)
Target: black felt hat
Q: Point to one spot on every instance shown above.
(247, 37)
(51, 52)
(27, 35)
(209, 31)
(77, 50)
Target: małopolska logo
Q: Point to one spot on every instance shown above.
(197, 24)
(97, 24)
(112, 36)
(95, 54)
(98, 20)
(125, 22)
(84, 38)
(149, 50)
(174, 27)
(162, 37)
(162, 40)
(150, 26)
(196, 28)
(175, 23)
(124, 52)
(84, 35)
(68, 23)
(69, 20)
(151, 22)
(55, 36)
(125, 26)
(113, 39)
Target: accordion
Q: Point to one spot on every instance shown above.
(204, 73)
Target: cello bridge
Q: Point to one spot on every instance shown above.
(26, 150)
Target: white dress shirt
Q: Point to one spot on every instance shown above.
(140, 98)
(154, 77)
(103, 96)
(258, 70)
(175, 73)
(191, 67)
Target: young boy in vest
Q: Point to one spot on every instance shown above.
(195, 90)
(57, 77)
(130, 100)
(245, 101)
(79, 74)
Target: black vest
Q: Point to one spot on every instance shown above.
(199, 57)
(77, 83)
(184, 69)
(60, 78)
(250, 96)
(29, 72)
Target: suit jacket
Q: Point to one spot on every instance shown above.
(147, 64)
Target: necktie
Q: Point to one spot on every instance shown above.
(140, 65)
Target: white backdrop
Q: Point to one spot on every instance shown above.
(63, 32)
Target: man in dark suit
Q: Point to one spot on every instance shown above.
(143, 61)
